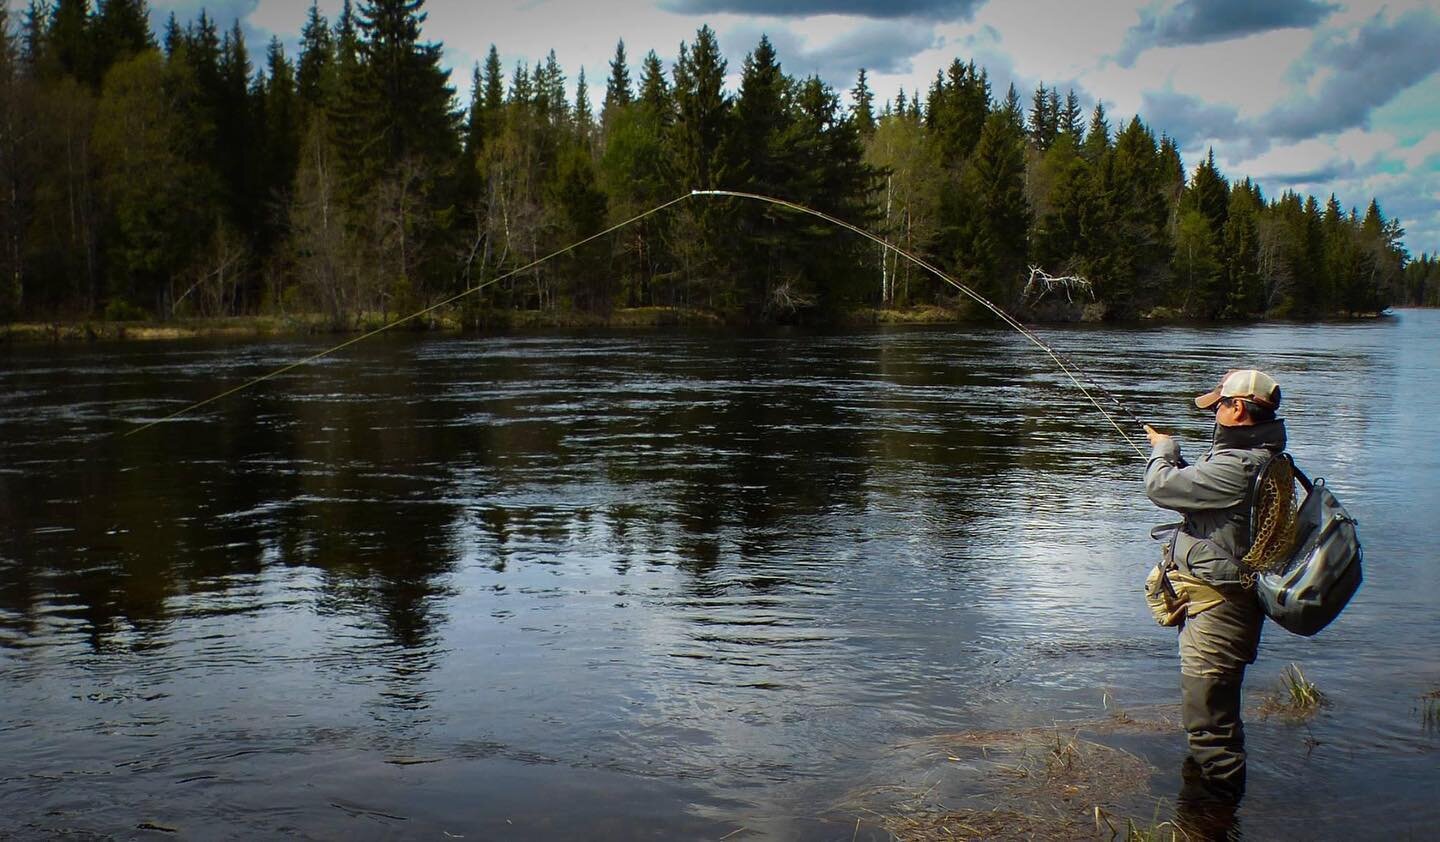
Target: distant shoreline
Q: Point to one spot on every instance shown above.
(239, 327)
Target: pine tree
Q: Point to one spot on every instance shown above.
(702, 111)
(638, 173)
(830, 175)
(582, 206)
(475, 116)
(1012, 112)
(654, 89)
(1097, 137)
(282, 123)
(1061, 232)
(864, 105)
(993, 247)
(957, 109)
(32, 39)
(1044, 117)
(763, 163)
(174, 39)
(1071, 119)
(408, 94)
(549, 86)
(317, 55)
(617, 87)
(1245, 290)
(760, 117)
(15, 177)
(154, 195)
(584, 119)
(121, 30)
(1139, 215)
(494, 101)
(70, 42)
(1209, 196)
(697, 141)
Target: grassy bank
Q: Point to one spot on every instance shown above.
(455, 320)
(463, 319)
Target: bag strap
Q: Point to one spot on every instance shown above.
(1300, 475)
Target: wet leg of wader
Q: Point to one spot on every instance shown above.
(1210, 709)
(1203, 810)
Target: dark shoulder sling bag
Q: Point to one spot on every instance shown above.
(1305, 559)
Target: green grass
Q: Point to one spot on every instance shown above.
(1430, 711)
(1298, 698)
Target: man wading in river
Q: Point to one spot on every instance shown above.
(1218, 613)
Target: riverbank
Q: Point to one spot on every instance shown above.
(97, 330)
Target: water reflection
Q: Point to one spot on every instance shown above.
(741, 566)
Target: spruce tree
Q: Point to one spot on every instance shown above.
(702, 111)
(1097, 137)
(584, 119)
(32, 39)
(829, 175)
(1071, 120)
(863, 110)
(121, 30)
(317, 54)
(1244, 288)
(282, 123)
(993, 247)
(1044, 118)
(654, 92)
(617, 86)
(15, 178)
(236, 135)
(70, 40)
(1209, 196)
(494, 101)
(957, 109)
(174, 38)
(763, 163)
(698, 148)
(406, 91)
(760, 117)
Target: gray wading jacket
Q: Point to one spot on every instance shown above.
(1214, 496)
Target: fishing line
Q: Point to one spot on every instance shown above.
(433, 307)
(1065, 365)
(1059, 359)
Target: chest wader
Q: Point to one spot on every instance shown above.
(1218, 640)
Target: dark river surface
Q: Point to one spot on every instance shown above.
(677, 586)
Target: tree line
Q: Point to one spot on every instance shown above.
(147, 176)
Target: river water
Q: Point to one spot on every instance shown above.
(656, 585)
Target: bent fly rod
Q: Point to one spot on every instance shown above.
(1066, 366)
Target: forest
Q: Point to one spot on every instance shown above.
(157, 177)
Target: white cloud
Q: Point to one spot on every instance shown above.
(1423, 152)
(1225, 89)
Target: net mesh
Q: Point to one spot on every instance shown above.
(1272, 518)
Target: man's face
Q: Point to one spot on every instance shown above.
(1230, 412)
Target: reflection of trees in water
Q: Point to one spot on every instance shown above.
(166, 520)
(712, 455)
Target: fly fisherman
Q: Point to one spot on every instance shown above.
(1218, 614)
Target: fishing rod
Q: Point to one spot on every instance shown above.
(1071, 371)
(417, 314)
(1064, 363)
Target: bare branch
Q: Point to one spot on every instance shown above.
(1042, 283)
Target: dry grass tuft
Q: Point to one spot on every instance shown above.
(1039, 783)
(1430, 711)
(1297, 699)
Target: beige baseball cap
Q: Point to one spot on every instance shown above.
(1247, 383)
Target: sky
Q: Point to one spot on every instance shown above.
(1316, 96)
